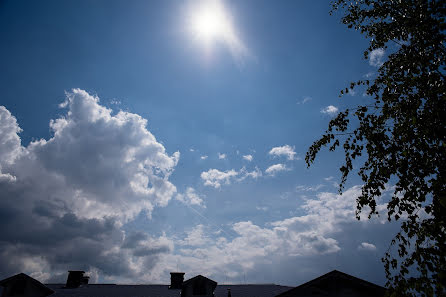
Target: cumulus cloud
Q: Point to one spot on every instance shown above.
(10, 143)
(203, 157)
(66, 197)
(196, 237)
(323, 231)
(325, 212)
(215, 178)
(376, 57)
(285, 150)
(331, 110)
(190, 197)
(255, 174)
(248, 158)
(310, 235)
(274, 169)
(112, 161)
(367, 246)
(221, 156)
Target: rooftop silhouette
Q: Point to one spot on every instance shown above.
(334, 283)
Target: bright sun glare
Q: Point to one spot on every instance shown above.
(210, 22)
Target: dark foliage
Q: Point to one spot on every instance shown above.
(400, 136)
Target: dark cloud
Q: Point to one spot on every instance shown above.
(132, 239)
(143, 252)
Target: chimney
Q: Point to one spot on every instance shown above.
(176, 280)
(76, 278)
(229, 293)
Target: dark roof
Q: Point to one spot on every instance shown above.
(199, 277)
(255, 290)
(114, 291)
(21, 276)
(335, 280)
(92, 290)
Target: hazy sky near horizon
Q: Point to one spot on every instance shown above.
(143, 137)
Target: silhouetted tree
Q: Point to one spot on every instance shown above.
(400, 136)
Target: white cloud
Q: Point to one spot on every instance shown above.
(309, 188)
(95, 173)
(308, 236)
(215, 178)
(376, 57)
(305, 100)
(83, 216)
(309, 240)
(325, 213)
(121, 161)
(191, 150)
(108, 162)
(190, 197)
(285, 150)
(248, 158)
(196, 237)
(204, 157)
(274, 169)
(331, 110)
(10, 143)
(367, 246)
(221, 156)
(255, 174)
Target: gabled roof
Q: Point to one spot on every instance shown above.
(200, 277)
(21, 276)
(335, 280)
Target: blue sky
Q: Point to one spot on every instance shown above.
(137, 146)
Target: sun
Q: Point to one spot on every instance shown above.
(210, 22)
(211, 25)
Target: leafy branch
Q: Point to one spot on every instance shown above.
(401, 136)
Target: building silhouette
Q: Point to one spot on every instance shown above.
(334, 283)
